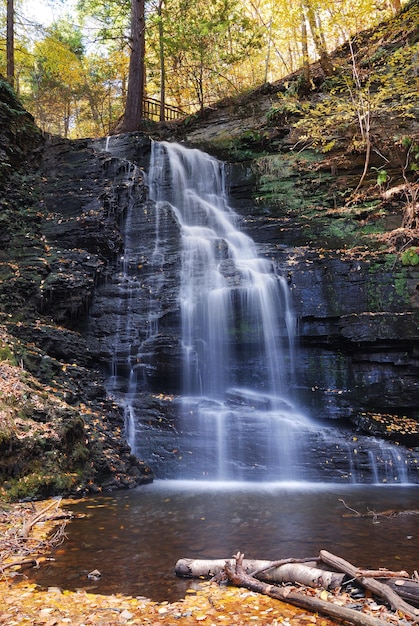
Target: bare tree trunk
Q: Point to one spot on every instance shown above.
(133, 114)
(396, 4)
(304, 47)
(363, 111)
(93, 107)
(10, 42)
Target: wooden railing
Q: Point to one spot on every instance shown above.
(151, 111)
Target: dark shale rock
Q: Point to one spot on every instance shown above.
(61, 205)
(20, 138)
(397, 428)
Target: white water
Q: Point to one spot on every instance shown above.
(237, 418)
(237, 326)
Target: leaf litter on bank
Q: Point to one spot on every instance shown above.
(24, 603)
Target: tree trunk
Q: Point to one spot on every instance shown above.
(162, 62)
(236, 574)
(133, 114)
(10, 42)
(319, 39)
(304, 46)
(285, 571)
(397, 5)
(93, 107)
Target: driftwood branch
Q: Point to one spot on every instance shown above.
(33, 562)
(236, 574)
(389, 513)
(373, 585)
(310, 562)
(18, 546)
(29, 524)
(381, 573)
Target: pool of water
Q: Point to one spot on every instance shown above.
(134, 538)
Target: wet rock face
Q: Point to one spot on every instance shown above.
(84, 196)
(61, 239)
(140, 295)
(358, 337)
(358, 334)
(357, 314)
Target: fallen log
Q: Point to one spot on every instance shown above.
(406, 589)
(236, 574)
(288, 570)
(379, 589)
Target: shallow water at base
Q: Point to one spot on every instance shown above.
(134, 538)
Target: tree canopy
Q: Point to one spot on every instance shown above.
(73, 73)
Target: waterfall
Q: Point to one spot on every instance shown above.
(237, 327)
(199, 326)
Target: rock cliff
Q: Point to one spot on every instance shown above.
(64, 207)
(59, 432)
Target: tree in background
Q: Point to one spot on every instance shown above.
(210, 50)
(204, 44)
(311, 13)
(133, 113)
(58, 77)
(10, 42)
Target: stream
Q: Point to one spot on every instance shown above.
(134, 538)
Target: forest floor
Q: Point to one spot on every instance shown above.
(29, 532)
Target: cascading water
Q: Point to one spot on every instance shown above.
(233, 415)
(237, 414)
(127, 292)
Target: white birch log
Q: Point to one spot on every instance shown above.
(300, 573)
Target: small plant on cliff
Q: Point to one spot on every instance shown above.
(410, 256)
(6, 353)
(289, 106)
(382, 177)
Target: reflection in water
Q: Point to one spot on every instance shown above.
(135, 538)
